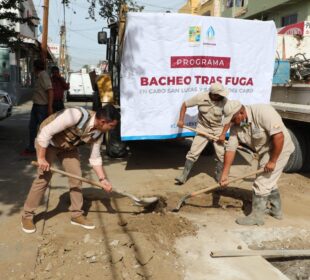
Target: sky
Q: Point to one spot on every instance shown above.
(82, 32)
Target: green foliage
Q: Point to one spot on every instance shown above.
(11, 10)
(109, 9)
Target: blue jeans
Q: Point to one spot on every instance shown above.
(38, 115)
(58, 105)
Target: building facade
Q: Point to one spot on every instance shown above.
(202, 7)
(16, 73)
(282, 12)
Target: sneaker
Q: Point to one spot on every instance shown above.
(28, 225)
(28, 152)
(82, 222)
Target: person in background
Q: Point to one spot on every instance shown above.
(42, 103)
(59, 87)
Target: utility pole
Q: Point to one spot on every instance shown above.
(63, 46)
(45, 31)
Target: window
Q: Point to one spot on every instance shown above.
(207, 13)
(229, 3)
(239, 3)
(4, 65)
(287, 20)
(25, 69)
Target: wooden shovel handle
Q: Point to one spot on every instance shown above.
(256, 172)
(91, 182)
(201, 133)
(213, 138)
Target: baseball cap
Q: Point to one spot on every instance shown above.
(218, 88)
(231, 107)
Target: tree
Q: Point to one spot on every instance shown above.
(109, 9)
(11, 10)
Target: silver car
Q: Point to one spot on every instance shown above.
(5, 105)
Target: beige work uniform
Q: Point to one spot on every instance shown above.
(210, 115)
(263, 122)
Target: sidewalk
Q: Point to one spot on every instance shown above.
(18, 251)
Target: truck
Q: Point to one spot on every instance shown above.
(290, 94)
(80, 86)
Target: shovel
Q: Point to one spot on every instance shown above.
(213, 138)
(146, 201)
(213, 187)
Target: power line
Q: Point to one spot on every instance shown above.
(82, 35)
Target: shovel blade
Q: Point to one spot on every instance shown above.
(146, 201)
(181, 203)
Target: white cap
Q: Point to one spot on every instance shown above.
(231, 108)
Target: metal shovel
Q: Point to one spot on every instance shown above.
(213, 187)
(146, 201)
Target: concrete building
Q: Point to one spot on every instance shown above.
(282, 12)
(202, 7)
(16, 73)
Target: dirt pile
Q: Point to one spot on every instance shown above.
(130, 245)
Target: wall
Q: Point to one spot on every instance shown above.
(302, 9)
(255, 9)
(19, 85)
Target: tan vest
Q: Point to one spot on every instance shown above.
(74, 136)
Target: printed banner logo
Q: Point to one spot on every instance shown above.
(209, 37)
(210, 33)
(200, 62)
(194, 34)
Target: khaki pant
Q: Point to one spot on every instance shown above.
(267, 182)
(200, 142)
(70, 161)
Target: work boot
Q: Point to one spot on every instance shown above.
(28, 225)
(218, 170)
(275, 205)
(256, 217)
(82, 222)
(187, 168)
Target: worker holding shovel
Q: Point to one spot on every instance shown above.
(261, 128)
(59, 136)
(210, 106)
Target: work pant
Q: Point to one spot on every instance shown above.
(267, 182)
(58, 105)
(70, 161)
(200, 142)
(38, 115)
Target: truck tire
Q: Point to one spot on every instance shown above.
(115, 148)
(297, 158)
(306, 165)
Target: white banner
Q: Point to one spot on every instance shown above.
(167, 58)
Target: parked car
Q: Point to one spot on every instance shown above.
(80, 87)
(6, 105)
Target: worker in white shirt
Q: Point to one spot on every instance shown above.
(59, 136)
